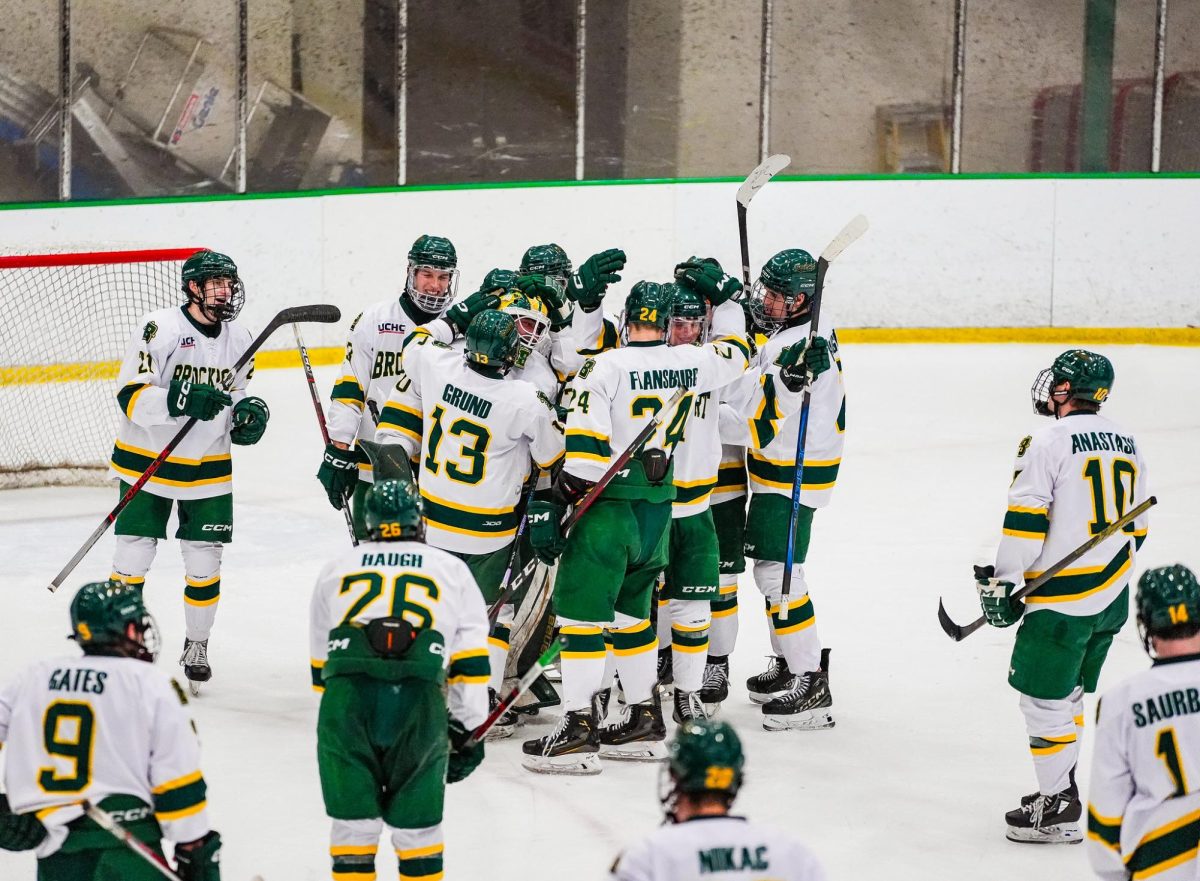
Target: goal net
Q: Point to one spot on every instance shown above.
(66, 321)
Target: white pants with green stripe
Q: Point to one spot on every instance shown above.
(202, 576)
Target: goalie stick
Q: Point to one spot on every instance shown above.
(959, 632)
(754, 182)
(848, 236)
(319, 313)
(519, 688)
(494, 611)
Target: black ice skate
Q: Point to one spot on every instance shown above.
(714, 688)
(195, 663)
(638, 736)
(771, 683)
(805, 705)
(571, 748)
(1072, 791)
(506, 724)
(688, 707)
(1048, 819)
(665, 671)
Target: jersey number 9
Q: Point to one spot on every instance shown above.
(70, 741)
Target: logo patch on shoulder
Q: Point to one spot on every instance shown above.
(150, 331)
(1024, 445)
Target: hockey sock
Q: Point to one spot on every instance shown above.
(793, 629)
(132, 558)
(635, 646)
(724, 629)
(202, 586)
(1052, 740)
(498, 655)
(662, 619)
(689, 642)
(419, 852)
(352, 848)
(582, 664)
(1076, 699)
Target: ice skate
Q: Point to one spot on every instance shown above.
(805, 705)
(571, 748)
(638, 736)
(687, 707)
(506, 724)
(771, 683)
(1072, 791)
(714, 688)
(195, 663)
(665, 671)
(1047, 819)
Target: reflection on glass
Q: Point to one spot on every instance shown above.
(28, 100)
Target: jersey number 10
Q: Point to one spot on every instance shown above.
(1122, 470)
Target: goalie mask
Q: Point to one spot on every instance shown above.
(109, 618)
(532, 322)
(705, 757)
(776, 298)
(218, 291)
(549, 260)
(1089, 377)
(432, 274)
(688, 324)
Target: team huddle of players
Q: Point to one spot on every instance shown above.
(463, 433)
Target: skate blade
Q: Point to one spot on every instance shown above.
(638, 751)
(573, 764)
(194, 687)
(762, 697)
(1063, 833)
(811, 720)
(711, 710)
(500, 732)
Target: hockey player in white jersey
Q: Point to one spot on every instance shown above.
(107, 728)
(178, 366)
(474, 432)
(701, 840)
(1143, 805)
(1072, 478)
(399, 650)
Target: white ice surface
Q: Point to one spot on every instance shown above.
(929, 749)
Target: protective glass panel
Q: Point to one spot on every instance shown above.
(28, 101)
(1181, 100)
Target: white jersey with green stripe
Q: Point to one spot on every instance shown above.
(1143, 802)
(369, 370)
(721, 848)
(474, 436)
(1072, 478)
(95, 726)
(731, 473)
(429, 588)
(168, 345)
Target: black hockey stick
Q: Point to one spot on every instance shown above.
(319, 313)
(959, 632)
(316, 399)
(519, 688)
(494, 611)
(754, 182)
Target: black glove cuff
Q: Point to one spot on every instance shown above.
(569, 489)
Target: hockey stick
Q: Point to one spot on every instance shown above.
(592, 495)
(316, 399)
(319, 313)
(519, 688)
(494, 611)
(849, 234)
(108, 823)
(754, 182)
(959, 632)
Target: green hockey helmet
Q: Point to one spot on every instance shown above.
(532, 321)
(1168, 603)
(548, 259)
(492, 341)
(432, 274)
(499, 280)
(101, 615)
(773, 299)
(1090, 375)
(392, 511)
(648, 302)
(704, 757)
(688, 323)
(218, 302)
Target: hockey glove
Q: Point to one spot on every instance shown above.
(800, 361)
(545, 530)
(203, 402)
(338, 474)
(460, 314)
(549, 290)
(463, 759)
(250, 417)
(705, 276)
(19, 831)
(587, 286)
(1000, 609)
(199, 860)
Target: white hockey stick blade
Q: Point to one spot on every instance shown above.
(758, 178)
(847, 237)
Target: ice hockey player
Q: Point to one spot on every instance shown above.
(111, 729)
(474, 432)
(372, 365)
(585, 289)
(1142, 814)
(612, 556)
(179, 366)
(393, 622)
(794, 691)
(701, 840)
(1091, 471)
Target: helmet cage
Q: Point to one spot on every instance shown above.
(756, 303)
(532, 322)
(431, 303)
(1041, 390)
(227, 310)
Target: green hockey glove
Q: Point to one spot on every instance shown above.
(460, 314)
(549, 290)
(338, 474)
(250, 417)
(587, 286)
(801, 361)
(19, 831)
(1000, 609)
(463, 759)
(545, 530)
(199, 860)
(203, 402)
(705, 276)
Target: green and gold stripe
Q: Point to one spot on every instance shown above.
(202, 591)
(1026, 522)
(398, 417)
(180, 797)
(316, 669)
(587, 445)
(484, 522)
(128, 395)
(1075, 584)
(819, 474)
(353, 862)
(738, 343)
(1106, 830)
(1165, 847)
(348, 390)
(471, 666)
(689, 492)
(635, 639)
(175, 471)
(799, 616)
(421, 863)
(690, 640)
(1048, 746)
(583, 642)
